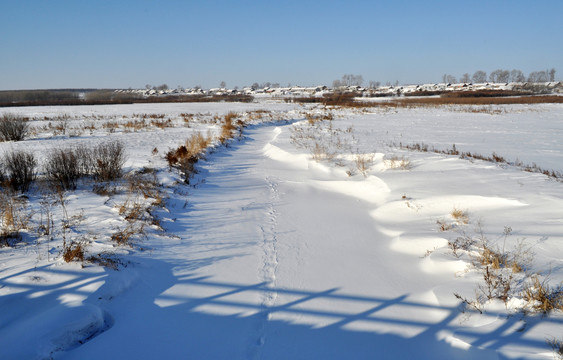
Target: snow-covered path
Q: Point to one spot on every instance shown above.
(260, 268)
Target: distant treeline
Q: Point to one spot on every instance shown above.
(484, 97)
(101, 97)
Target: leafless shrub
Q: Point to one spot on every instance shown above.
(132, 210)
(363, 162)
(108, 160)
(62, 166)
(557, 347)
(126, 235)
(443, 225)
(85, 160)
(322, 151)
(20, 167)
(13, 127)
(503, 270)
(62, 126)
(104, 189)
(497, 284)
(145, 183)
(462, 242)
(106, 260)
(471, 304)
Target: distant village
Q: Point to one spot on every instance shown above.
(399, 90)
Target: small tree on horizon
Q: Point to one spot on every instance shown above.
(479, 76)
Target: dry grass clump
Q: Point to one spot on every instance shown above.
(126, 235)
(321, 151)
(143, 194)
(259, 114)
(162, 124)
(313, 118)
(502, 269)
(229, 127)
(494, 158)
(460, 216)
(323, 141)
(505, 276)
(443, 226)
(145, 183)
(186, 156)
(74, 252)
(135, 125)
(132, 210)
(397, 162)
(14, 217)
(111, 126)
(541, 297)
(197, 143)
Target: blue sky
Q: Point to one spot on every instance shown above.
(106, 44)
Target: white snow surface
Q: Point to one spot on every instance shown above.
(269, 254)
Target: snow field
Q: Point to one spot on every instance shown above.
(271, 254)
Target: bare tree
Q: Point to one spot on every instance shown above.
(465, 78)
(499, 76)
(374, 84)
(552, 74)
(504, 76)
(449, 79)
(479, 76)
(538, 76)
(517, 76)
(223, 85)
(350, 80)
